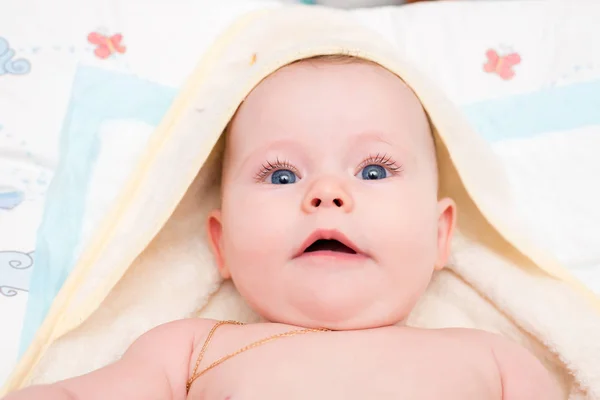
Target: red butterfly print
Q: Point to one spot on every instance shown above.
(501, 65)
(107, 46)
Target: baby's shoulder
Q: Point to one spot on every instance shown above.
(183, 332)
(170, 344)
(479, 343)
(522, 374)
(477, 337)
(160, 357)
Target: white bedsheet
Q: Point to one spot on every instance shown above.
(29, 130)
(554, 167)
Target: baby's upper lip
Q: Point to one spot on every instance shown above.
(327, 234)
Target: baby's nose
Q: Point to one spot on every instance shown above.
(327, 193)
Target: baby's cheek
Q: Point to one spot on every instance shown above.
(257, 229)
(407, 232)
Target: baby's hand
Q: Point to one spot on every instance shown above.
(156, 366)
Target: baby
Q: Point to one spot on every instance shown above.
(330, 227)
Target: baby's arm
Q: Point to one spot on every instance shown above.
(156, 366)
(523, 376)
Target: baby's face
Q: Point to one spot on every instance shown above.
(330, 216)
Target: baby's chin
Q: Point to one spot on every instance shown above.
(337, 302)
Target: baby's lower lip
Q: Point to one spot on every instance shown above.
(332, 256)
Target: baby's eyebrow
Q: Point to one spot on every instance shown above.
(404, 151)
(372, 136)
(287, 145)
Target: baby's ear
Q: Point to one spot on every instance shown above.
(446, 224)
(214, 230)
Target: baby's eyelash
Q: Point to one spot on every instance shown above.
(384, 160)
(270, 166)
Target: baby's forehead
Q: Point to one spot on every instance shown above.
(326, 97)
(352, 82)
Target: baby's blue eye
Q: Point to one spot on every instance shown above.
(283, 177)
(374, 172)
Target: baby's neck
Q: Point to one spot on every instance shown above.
(262, 320)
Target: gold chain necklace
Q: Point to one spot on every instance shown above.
(196, 375)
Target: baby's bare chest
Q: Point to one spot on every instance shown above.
(347, 365)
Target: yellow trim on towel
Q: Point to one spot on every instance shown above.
(52, 327)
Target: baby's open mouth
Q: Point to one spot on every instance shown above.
(329, 245)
